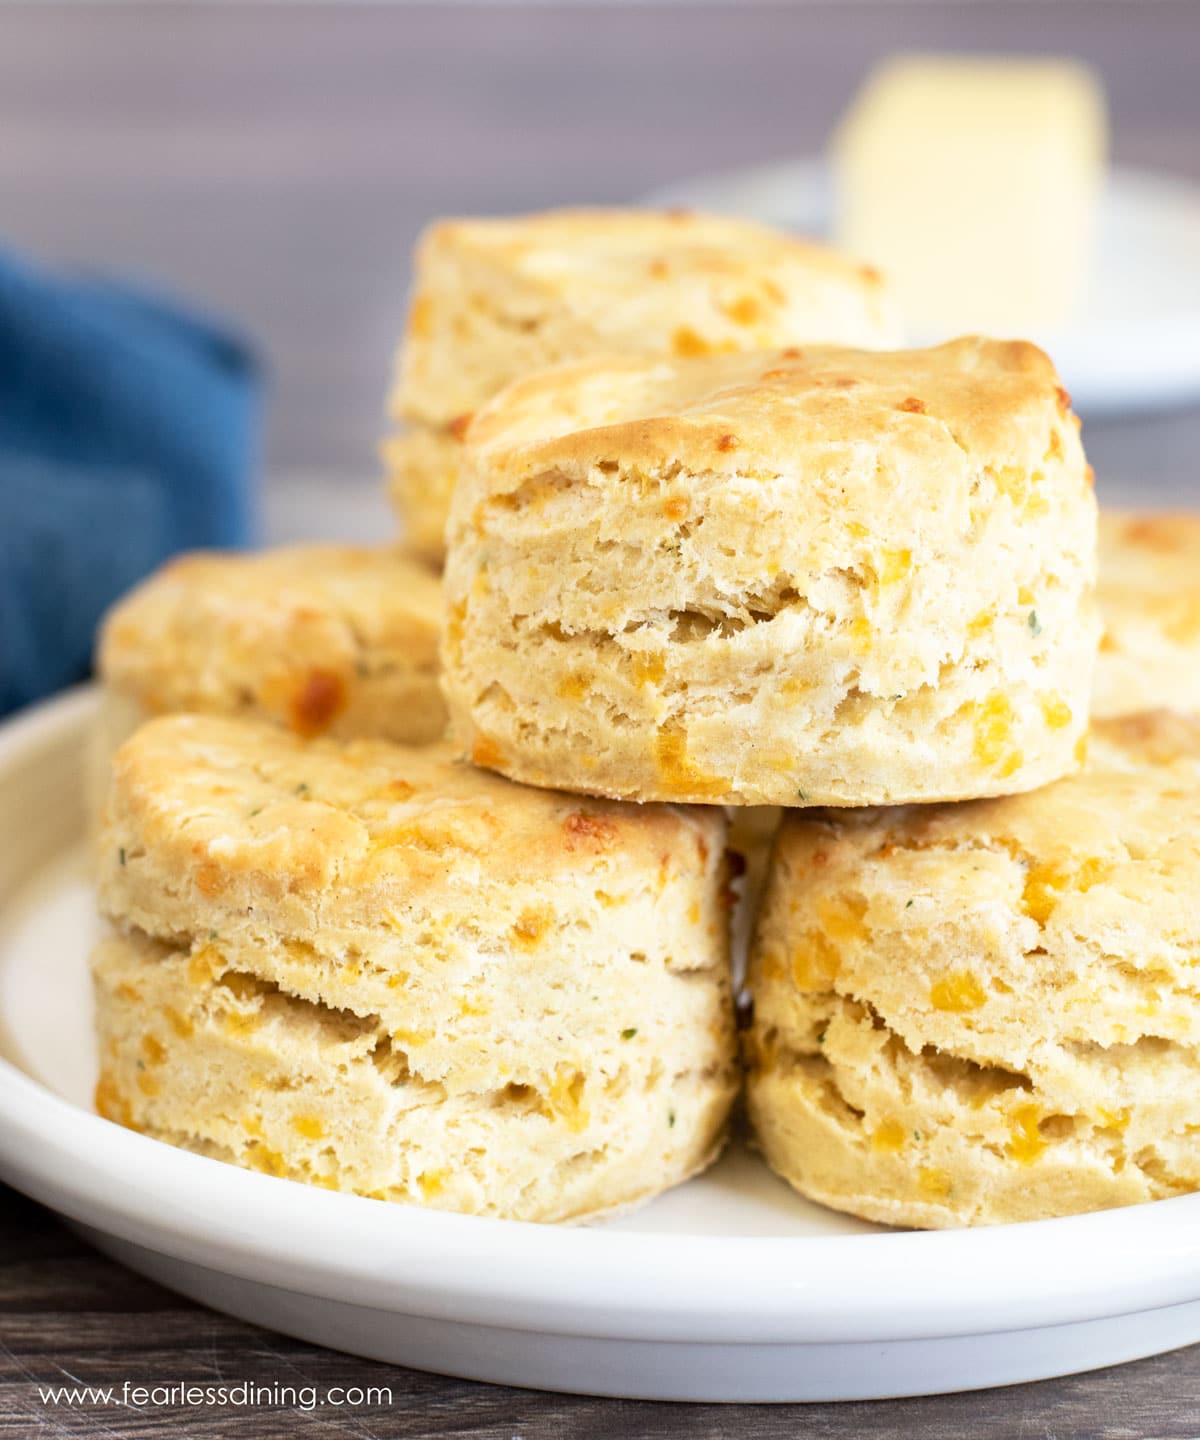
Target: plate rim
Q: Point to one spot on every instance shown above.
(580, 1281)
(814, 171)
(1102, 389)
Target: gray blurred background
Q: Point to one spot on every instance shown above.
(277, 161)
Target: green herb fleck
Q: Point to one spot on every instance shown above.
(302, 788)
(671, 1119)
(630, 1033)
(212, 935)
(256, 811)
(1035, 625)
(121, 856)
(820, 1037)
(908, 904)
(916, 1134)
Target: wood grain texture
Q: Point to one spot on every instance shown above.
(71, 1316)
(68, 1316)
(277, 162)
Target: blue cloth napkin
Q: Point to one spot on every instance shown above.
(128, 432)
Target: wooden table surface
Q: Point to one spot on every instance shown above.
(276, 163)
(70, 1317)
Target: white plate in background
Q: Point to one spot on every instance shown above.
(729, 1288)
(1136, 343)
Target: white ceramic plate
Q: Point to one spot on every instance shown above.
(731, 1288)
(1136, 343)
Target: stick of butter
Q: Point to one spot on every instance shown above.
(972, 182)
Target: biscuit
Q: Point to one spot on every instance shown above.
(821, 577)
(751, 834)
(494, 299)
(374, 968)
(422, 465)
(988, 1012)
(1149, 592)
(322, 639)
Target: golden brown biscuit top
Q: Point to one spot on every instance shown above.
(614, 248)
(210, 619)
(1138, 795)
(1150, 570)
(221, 804)
(741, 414)
(495, 299)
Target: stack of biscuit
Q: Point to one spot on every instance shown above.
(711, 556)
